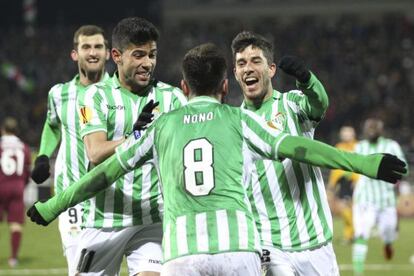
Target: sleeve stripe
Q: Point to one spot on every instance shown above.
(84, 133)
(124, 166)
(258, 142)
(283, 136)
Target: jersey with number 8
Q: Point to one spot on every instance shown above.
(203, 152)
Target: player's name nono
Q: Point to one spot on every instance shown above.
(198, 118)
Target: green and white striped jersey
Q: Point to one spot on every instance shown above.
(372, 191)
(111, 108)
(71, 161)
(204, 152)
(288, 198)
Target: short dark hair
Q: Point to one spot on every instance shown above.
(88, 30)
(10, 125)
(246, 38)
(133, 30)
(204, 68)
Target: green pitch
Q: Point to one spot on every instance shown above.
(41, 252)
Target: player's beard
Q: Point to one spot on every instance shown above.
(93, 76)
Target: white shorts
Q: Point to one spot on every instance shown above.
(365, 216)
(221, 264)
(106, 247)
(70, 228)
(318, 261)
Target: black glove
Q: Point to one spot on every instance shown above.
(296, 67)
(34, 215)
(391, 168)
(145, 117)
(41, 170)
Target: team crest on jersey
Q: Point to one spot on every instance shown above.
(157, 112)
(278, 121)
(85, 114)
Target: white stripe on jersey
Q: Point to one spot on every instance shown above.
(242, 228)
(72, 110)
(166, 241)
(146, 188)
(312, 203)
(60, 167)
(259, 203)
(127, 191)
(223, 230)
(256, 140)
(290, 174)
(201, 232)
(182, 245)
(167, 101)
(279, 206)
(180, 96)
(109, 207)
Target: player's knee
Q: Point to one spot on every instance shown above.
(15, 227)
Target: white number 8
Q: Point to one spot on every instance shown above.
(198, 174)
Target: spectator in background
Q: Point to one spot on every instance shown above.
(342, 183)
(374, 201)
(14, 175)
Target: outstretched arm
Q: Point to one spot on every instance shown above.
(88, 186)
(380, 166)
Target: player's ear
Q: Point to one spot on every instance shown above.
(235, 73)
(225, 87)
(185, 88)
(74, 55)
(272, 69)
(116, 55)
(107, 54)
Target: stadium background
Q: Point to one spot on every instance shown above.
(362, 51)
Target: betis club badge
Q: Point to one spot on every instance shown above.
(278, 121)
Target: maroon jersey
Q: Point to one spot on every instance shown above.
(15, 161)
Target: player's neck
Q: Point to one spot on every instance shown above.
(256, 103)
(88, 78)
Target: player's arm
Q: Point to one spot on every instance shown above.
(132, 154)
(315, 102)
(273, 144)
(51, 135)
(98, 148)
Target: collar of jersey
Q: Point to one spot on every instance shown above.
(275, 96)
(203, 99)
(76, 79)
(117, 85)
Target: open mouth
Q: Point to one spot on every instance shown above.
(93, 60)
(251, 81)
(144, 75)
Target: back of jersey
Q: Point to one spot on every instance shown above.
(200, 149)
(15, 162)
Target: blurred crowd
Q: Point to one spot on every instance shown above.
(365, 63)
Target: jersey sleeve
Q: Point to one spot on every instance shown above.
(136, 151)
(323, 155)
(313, 102)
(93, 110)
(262, 139)
(51, 132)
(97, 180)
